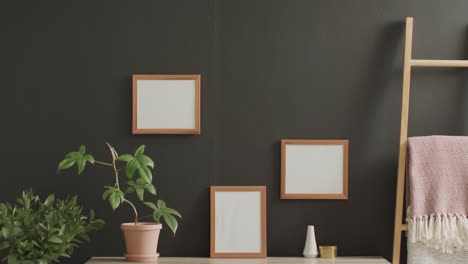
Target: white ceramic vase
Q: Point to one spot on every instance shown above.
(310, 248)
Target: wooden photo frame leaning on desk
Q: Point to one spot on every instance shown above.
(314, 169)
(238, 222)
(166, 104)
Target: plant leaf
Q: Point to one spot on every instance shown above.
(151, 205)
(151, 189)
(131, 183)
(146, 160)
(49, 200)
(66, 163)
(172, 212)
(140, 193)
(96, 225)
(116, 198)
(125, 157)
(171, 221)
(114, 201)
(139, 162)
(157, 216)
(85, 237)
(12, 259)
(81, 165)
(132, 166)
(140, 150)
(62, 229)
(161, 204)
(55, 239)
(130, 190)
(141, 182)
(149, 175)
(6, 231)
(91, 215)
(143, 175)
(79, 157)
(73, 155)
(89, 158)
(82, 149)
(106, 193)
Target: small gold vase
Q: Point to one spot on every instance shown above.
(328, 251)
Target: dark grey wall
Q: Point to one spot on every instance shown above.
(314, 69)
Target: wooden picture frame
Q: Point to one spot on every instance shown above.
(314, 169)
(238, 222)
(166, 104)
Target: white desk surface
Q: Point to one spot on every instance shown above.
(272, 260)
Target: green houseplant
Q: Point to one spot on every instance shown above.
(36, 231)
(141, 238)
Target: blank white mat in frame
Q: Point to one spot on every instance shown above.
(314, 169)
(238, 217)
(166, 104)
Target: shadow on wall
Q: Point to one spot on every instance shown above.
(375, 141)
(377, 87)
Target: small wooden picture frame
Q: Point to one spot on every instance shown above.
(314, 169)
(166, 104)
(238, 222)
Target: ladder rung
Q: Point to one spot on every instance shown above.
(439, 63)
(404, 227)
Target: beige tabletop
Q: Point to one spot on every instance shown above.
(278, 260)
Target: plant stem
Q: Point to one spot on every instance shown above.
(116, 175)
(134, 210)
(114, 157)
(103, 163)
(117, 185)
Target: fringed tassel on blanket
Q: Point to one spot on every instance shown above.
(447, 233)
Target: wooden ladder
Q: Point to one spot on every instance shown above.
(400, 226)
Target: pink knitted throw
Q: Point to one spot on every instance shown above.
(438, 192)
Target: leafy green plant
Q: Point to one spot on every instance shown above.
(35, 231)
(138, 180)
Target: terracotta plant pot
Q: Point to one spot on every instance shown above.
(141, 241)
